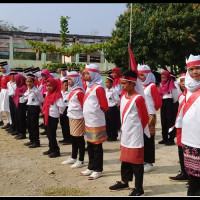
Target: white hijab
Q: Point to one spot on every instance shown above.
(149, 76)
(7, 68)
(191, 84)
(77, 81)
(95, 76)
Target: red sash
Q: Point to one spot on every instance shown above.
(190, 101)
(73, 93)
(88, 93)
(147, 85)
(179, 110)
(127, 106)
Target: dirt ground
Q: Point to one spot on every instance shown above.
(27, 172)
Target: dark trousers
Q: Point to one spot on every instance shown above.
(95, 153)
(168, 119)
(149, 149)
(51, 134)
(13, 112)
(129, 169)
(64, 122)
(181, 160)
(118, 120)
(21, 118)
(33, 123)
(78, 145)
(194, 186)
(111, 122)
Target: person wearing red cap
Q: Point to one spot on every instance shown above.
(190, 125)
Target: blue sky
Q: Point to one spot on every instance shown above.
(86, 18)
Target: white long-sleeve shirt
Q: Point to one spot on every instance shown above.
(112, 97)
(34, 97)
(11, 88)
(57, 108)
(172, 94)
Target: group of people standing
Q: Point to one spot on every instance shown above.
(126, 104)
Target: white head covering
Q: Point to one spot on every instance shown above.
(145, 69)
(55, 75)
(95, 76)
(38, 74)
(76, 78)
(7, 68)
(63, 77)
(180, 77)
(191, 84)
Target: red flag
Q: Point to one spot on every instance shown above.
(132, 59)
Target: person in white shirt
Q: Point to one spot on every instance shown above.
(76, 120)
(53, 108)
(190, 125)
(111, 114)
(20, 102)
(34, 104)
(169, 95)
(11, 85)
(64, 119)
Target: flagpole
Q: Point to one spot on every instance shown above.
(130, 34)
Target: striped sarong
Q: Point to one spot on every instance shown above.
(152, 124)
(77, 127)
(96, 135)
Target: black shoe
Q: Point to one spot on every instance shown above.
(54, 154)
(65, 141)
(162, 142)
(170, 143)
(47, 152)
(9, 128)
(6, 126)
(180, 177)
(1, 123)
(137, 192)
(42, 124)
(14, 133)
(43, 133)
(111, 139)
(34, 145)
(119, 186)
(28, 143)
(21, 137)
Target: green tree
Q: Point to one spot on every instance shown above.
(64, 30)
(162, 34)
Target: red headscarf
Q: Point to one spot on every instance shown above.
(21, 88)
(116, 79)
(50, 98)
(48, 75)
(164, 88)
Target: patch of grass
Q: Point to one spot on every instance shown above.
(65, 192)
